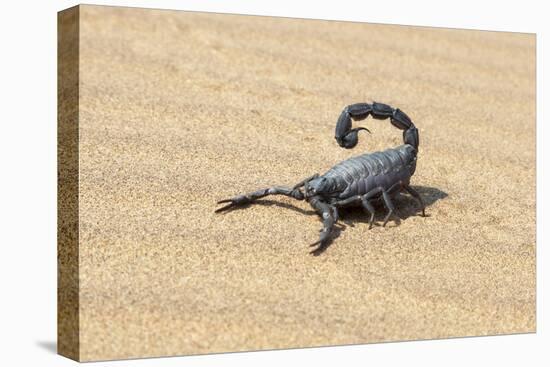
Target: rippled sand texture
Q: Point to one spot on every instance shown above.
(180, 109)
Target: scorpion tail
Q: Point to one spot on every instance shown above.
(347, 137)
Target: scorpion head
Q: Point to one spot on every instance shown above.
(319, 186)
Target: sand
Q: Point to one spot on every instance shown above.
(179, 110)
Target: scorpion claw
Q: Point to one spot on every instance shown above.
(236, 201)
(223, 208)
(321, 242)
(317, 251)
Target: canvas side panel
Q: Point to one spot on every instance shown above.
(67, 183)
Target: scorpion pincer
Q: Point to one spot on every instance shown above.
(357, 181)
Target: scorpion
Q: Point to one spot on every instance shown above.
(357, 181)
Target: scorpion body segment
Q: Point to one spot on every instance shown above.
(347, 137)
(357, 181)
(361, 174)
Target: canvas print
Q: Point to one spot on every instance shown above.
(235, 183)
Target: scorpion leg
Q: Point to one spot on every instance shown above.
(370, 209)
(244, 199)
(389, 204)
(359, 199)
(351, 200)
(364, 201)
(417, 196)
(329, 215)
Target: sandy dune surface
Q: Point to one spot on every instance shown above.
(179, 110)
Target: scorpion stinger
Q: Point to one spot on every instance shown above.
(344, 134)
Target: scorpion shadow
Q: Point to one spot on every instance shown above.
(405, 207)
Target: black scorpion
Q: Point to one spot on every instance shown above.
(357, 181)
